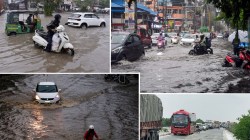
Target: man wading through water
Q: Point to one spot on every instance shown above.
(89, 134)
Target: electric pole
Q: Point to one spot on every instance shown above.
(135, 14)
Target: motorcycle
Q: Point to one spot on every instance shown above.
(160, 43)
(60, 41)
(241, 61)
(199, 50)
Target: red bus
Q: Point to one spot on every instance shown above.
(183, 122)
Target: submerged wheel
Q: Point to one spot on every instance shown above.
(84, 26)
(191, 52)
(71, 52)
(210, 51)
(102, 24)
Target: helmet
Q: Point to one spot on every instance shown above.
(91, 127)
(57, 16)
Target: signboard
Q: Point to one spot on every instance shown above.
(129, 16)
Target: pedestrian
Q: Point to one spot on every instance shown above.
(89, 134)
(236, 43)
(51, 30)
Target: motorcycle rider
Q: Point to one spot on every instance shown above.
(89, 134)
(236, 43)
(51, 30)
(161, 38)
(203, 43)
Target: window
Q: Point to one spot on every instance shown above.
(94, 16)
(130, 39)
(87, 16)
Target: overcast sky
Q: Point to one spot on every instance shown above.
(221, 107)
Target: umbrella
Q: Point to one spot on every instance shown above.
(243, 36)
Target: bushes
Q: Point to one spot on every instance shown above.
(242, 129)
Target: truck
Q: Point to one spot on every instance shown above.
(151, 112)
(183, 122)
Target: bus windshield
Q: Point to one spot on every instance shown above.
(180, 119)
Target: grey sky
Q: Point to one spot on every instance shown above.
(221, 107)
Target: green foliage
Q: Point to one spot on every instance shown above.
(233, 11)
(105, 3)
(199, 121)
(166, 122)
(242, 129)
(49, 7)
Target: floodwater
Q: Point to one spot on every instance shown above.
(174, 71)
(86, 99)
(92, 53)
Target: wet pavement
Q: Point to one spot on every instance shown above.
(174, 71)
(18, 54)
(213, 134)
(86, 99)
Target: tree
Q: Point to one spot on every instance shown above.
(234, 10)
(242, 129)
(48, 7)
(199, 121)
(166, 122)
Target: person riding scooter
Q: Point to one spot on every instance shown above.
(51, 30)
(161, 40)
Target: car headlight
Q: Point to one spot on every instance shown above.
(37, 97)
(57, 96)
(116, 50)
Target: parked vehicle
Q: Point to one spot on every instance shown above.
(47, 92)
(183, 122)
(126, 46)
(145, 37)
(84, 20)
(199, 50)
(151, 112)
(188, 39)
(16, 22)
(60, 41)
(242, 61)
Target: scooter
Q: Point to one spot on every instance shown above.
(60, 41)
(241, 61)
(160, 43)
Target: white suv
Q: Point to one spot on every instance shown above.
(47, 92)
(85, 20)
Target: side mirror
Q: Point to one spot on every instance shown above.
(59, 90)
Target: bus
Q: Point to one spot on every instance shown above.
(183, 122)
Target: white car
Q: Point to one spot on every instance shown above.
(85, 20)
(188, 39)
(220, 36)
(47, 92)
(174, 37)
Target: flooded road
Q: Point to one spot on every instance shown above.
(175, 71)
(18, 54)
(86, 99)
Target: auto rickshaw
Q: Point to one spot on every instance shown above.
(16, 22)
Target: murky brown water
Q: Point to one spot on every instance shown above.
(92, 53)
(175, 71)
(86, 99)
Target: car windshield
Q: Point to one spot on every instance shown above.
(75, 15)
(118, 38)
(180, 119)
(189, 36)
(46, 88)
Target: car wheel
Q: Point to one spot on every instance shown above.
(191, 52)
(102, 24)
(84, 26)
